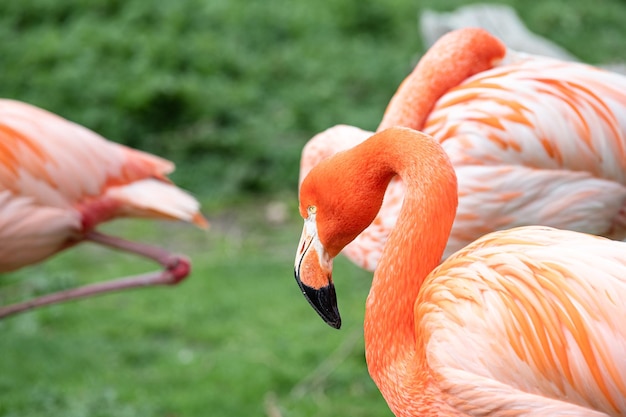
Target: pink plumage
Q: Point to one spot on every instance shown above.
(59, 180)
(533, 140)
(520, 322)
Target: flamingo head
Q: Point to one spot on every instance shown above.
(339, 198)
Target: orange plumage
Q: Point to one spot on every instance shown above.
(533, 140)
(522, 322)
(59, 180)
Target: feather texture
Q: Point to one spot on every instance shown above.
(534, 140)
(521, 322)
(58, 180)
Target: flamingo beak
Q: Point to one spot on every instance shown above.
(313, 272)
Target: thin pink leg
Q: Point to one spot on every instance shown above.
(176, 269)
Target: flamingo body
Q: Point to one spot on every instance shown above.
(534, 140)
(534, 314)
(59, 180)
(521, 322)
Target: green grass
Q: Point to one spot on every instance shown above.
(230, 90)
(237, 338)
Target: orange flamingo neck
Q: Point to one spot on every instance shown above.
(413, 250)
(455, 57)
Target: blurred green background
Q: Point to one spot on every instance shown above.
(230, 90)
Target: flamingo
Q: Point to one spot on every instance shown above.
(534, 140)
(59, 180)
(522, 322)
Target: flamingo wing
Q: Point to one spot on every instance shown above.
(536, 112)
(534, 314)
(498, 197)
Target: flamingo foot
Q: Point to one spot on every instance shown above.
(176, 269)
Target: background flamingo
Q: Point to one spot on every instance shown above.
(533, 140)
(524, 322)
(59, 180)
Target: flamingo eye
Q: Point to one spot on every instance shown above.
(311, 210)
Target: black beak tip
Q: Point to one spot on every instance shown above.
(323, 301)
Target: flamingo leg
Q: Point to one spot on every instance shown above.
(176, 269)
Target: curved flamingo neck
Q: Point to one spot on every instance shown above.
(455, 57)
(413, 250)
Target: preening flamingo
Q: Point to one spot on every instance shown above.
(533, 140)
(59, 180)
(522, 322)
